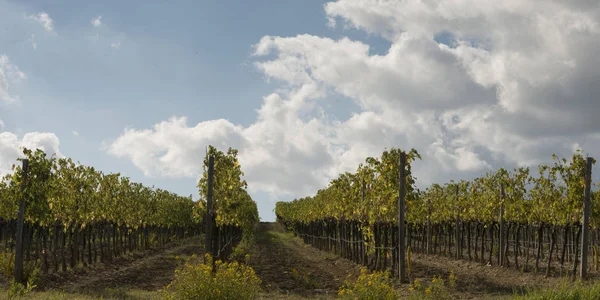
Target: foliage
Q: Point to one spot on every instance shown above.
(377, 285)
(231, 202)
(60, 191)
(378, 178)
(7, 263)
(553, 196)
(241, 251)
(31, 273)
(437, 289)
(229, 281)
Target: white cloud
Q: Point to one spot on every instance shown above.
(9, 73)
(75, 133)
(537, 55)
(10, 147)
(45, 20)
(513, 84)
(276, 149)
(1, 124)
(97, 21)
(172, 148)
(116, 45)
(281, 153)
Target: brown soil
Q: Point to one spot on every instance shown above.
(149, 271)
(476, 280)
(321, 273)
(288, 267)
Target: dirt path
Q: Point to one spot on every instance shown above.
(290, 268)
(133, 277)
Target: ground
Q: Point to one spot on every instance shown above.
(137, 276)
(288, 268)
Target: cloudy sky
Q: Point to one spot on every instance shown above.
(304, 89)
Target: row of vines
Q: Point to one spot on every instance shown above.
(233, 213)
(76, 215)
(529, 220)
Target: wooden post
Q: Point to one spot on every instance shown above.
(428, 225)
(501, 223)
(210, 215)
(586, 220)
(19, 247)
(457, 225)
(401, 240)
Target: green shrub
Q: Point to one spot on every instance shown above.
(7, 263)
(377, 285)
(229, 281)
(240, 252)
(564, 291)
(437, 289)
(19, 290)
(31, 273)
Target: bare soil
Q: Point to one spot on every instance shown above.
(290, 268)
(278, 253)
(134, 276)
(476, 280)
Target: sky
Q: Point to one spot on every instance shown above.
(305, 90)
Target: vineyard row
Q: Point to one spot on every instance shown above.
(507, 218)
(55, 214)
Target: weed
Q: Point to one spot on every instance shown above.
(435, 290)
(229, 281)
(377, 285)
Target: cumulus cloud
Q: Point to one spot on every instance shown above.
(511, 83)
(8, 73)
(45, 20)
(282, 153)
(97, 21)
(11, 144)
(276, 149)
(537, 55)
(172, 148)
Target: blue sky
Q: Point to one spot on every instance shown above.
(186, 59)
(146, 63)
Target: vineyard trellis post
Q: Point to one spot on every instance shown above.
(401, 233)
(19, 238)
(586, 219)
(501, 229)
(210, 215)
(428, 226)
(458, 241)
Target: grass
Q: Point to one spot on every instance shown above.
(282, 296)
(564, 291)
(114, 293)
(275, 236)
